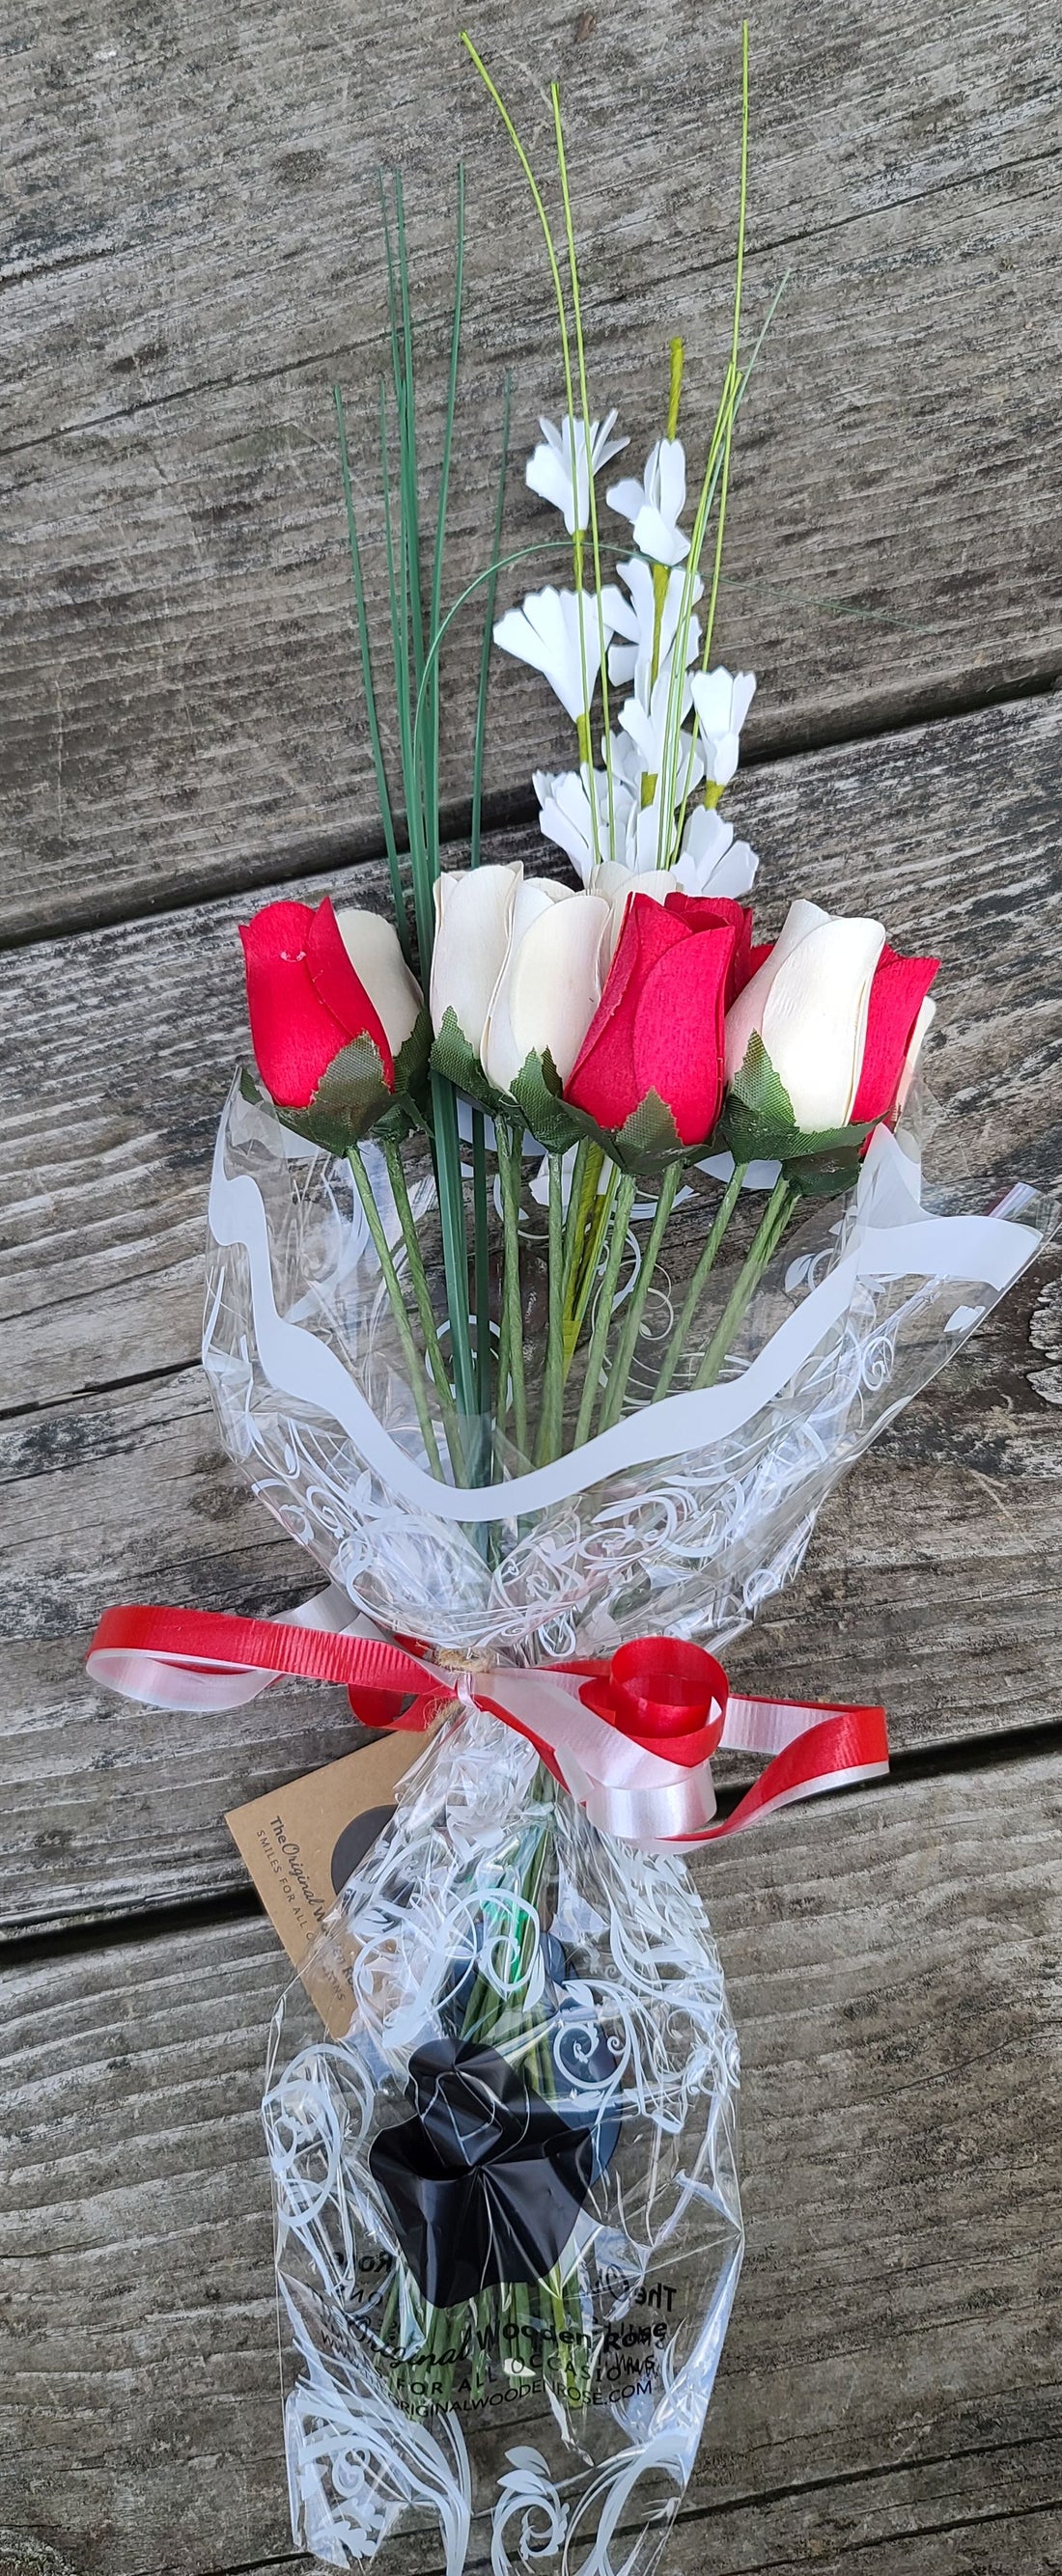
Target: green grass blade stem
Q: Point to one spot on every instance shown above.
(410, 1353)
(382, 791)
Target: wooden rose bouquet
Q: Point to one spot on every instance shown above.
(567, 1244)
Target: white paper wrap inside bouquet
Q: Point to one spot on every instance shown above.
(678, 1520)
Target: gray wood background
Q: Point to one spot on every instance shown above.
(189, 255)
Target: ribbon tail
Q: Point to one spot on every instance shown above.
(850, 1745)
(205, 1659)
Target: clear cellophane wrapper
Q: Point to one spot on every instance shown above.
(507, 2220)
(508, 2227)
(682, 1519)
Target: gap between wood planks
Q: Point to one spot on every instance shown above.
(518, 808)
(83, 1934)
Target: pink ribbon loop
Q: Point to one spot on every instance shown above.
(632, 1738)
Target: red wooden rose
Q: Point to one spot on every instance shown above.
(659, 1027)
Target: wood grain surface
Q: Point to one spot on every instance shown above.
(888, 2393)
(187, 275)
(190, 256)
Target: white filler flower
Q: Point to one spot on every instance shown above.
(549, 469)
(722, 700)
(654, 505)
(634, 619)
(566, 814)
(546, 633)
(711, 861)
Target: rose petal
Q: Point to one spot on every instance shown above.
(746, 1014)
(922, 1027)
(603, 1081)
(555, 985)
(719, 912)
(339, 986)
(473, 909)
(373, 946)
(898, 991)
(294, 1035)
(679, 1045)
(815, 1019)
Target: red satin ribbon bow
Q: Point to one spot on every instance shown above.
(631, 1737)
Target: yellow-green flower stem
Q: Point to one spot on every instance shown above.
(410, 1353)
(592, 1254)
(580, 1201)
(569, 388)
(662, 572)
(622, 1203)
(628, 1341)
(705, 1266)
(674, 391)
(501, 1400)
(577, 311)
(547, 1446)
(721, 435)
(450, 1417)
(784, 1199)
(709, 622)
(713, 792)
(508, 1142)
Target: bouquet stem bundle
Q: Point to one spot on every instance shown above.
(535, 2330)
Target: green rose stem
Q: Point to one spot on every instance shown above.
(501, 1406)
(481, 1265)
(621, 1367)
(695, 1291)
(784, 1198)
(410, 1352)
(622, 1202)
(587, 1269)
(580, 1201)
(509, 1177)
(547, 1446)
(436, 1362)
(582, 1237)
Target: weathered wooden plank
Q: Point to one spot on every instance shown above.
(180, 695)
(122, 1042)
(933, 1579)
(888, 2394)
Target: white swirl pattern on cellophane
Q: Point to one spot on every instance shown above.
(690, 1544)
(640, 1969)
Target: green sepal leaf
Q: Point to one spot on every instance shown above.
(457, 1061)
(646, 1142)
(758, 1125)
(650, 1137)
(760, 1090)
(411, 1062)
(537, 1093)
